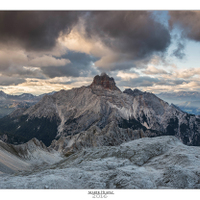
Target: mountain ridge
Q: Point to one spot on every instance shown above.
(25, 156)
(9, 103)
(69, 114)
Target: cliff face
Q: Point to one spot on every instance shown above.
(104, 81)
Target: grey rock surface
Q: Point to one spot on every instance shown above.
(111, 135)
(15, 158)
(10, 103)
(147, 163)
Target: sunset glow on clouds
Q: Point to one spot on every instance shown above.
(152, 51)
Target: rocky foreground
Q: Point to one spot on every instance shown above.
(157, 163)
(25, 157)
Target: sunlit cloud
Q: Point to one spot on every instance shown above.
(127, 76)
(67, 49)
(151, 70)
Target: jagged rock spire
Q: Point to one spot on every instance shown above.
(105, 81)
(134, 92)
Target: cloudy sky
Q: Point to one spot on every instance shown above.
(44, 51)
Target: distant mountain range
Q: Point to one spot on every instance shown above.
(9, 103)
(192, 107)
(180, 96)
(187, 101)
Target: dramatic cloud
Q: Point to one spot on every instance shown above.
(35, 30)
(124, 40)
(18, 62)
(81, 64)
(187, 73)
(47, 61)
(53, 50)
(134, 34)
(179, 52)
(151, 70)
(55, 84)
(5, 80)
(142, 81)
(188, 21)
(126, 75)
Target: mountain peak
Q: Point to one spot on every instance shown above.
(105, 81)
(134, 92)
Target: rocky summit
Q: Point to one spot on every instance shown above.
(104, 81)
